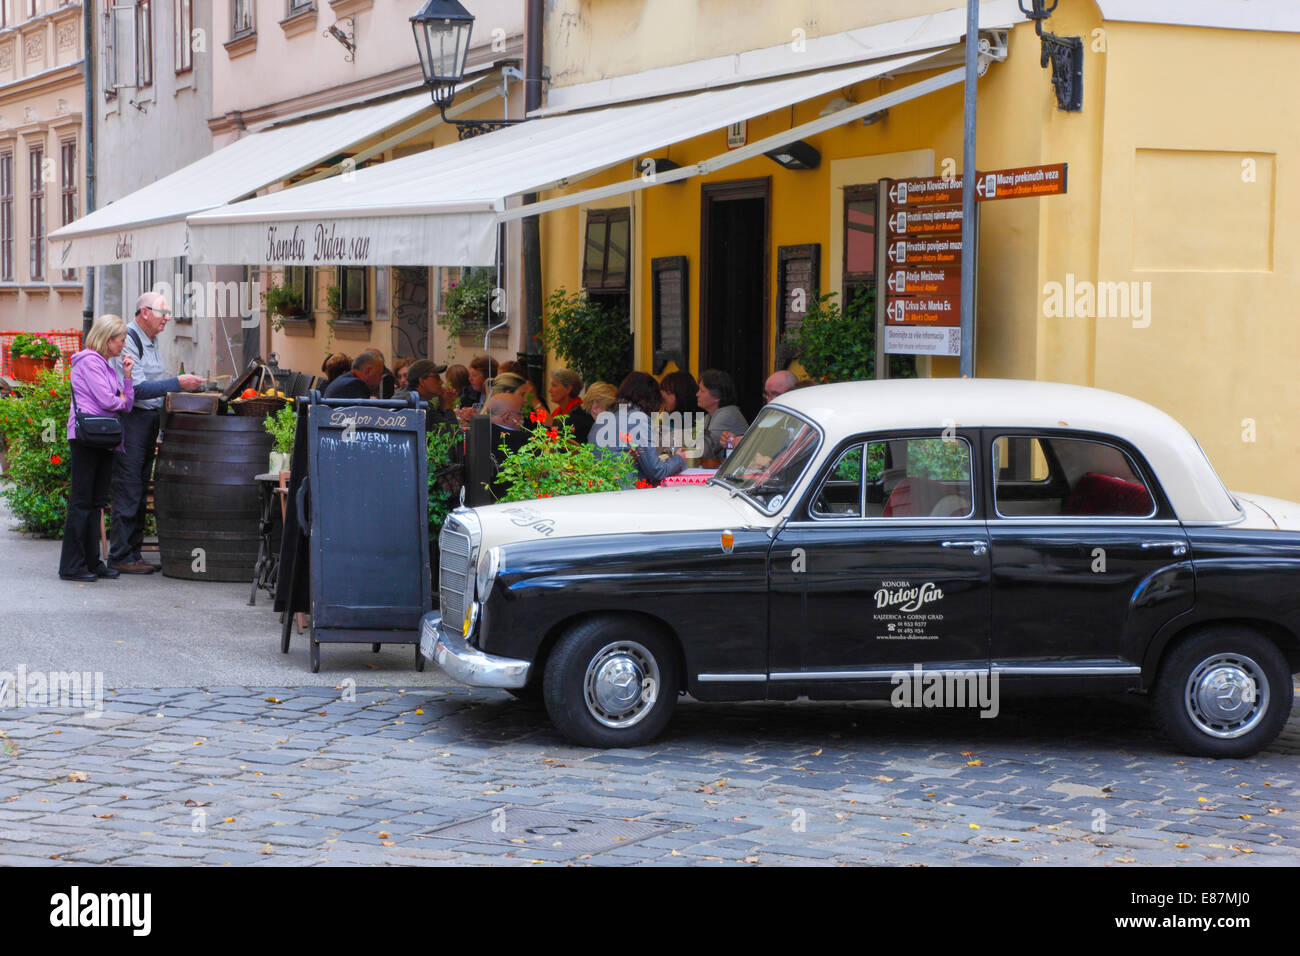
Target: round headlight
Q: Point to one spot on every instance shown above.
(487, 572)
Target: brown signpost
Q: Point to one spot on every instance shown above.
(921, 297)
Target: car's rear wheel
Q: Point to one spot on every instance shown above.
(1224, 693)
(611, 682)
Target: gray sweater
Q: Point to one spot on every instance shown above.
(726, 419)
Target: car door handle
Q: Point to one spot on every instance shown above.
(1179, 548)
(977, 547)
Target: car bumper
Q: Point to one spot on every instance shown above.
(469, 665)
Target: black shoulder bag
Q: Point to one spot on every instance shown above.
(96, 431)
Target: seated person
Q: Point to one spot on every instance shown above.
(366, 375)
(717, 397)
(565, 393)
(426, 381)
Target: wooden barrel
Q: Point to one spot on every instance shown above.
(206, 496)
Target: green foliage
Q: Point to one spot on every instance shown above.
(938, 459)
(839, 345)
(282, 301)
(34, 423)
(34, 345)
(592, 340)
(442, 483)
(467, 304)
(282, 426)
(552, 463)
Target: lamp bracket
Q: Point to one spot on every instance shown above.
(345, 37)
(992, 48)
(1064, 54)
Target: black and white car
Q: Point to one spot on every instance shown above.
(1062, 539)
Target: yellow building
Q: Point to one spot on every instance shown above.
(1176, 217)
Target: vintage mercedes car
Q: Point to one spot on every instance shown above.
(1049, 539)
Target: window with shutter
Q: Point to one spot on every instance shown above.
(670, 309)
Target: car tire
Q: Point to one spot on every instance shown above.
(1224, 693)
(611, 682)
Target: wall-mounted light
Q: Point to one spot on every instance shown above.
(345, 37)
(796, 155)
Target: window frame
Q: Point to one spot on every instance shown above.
(608, 217)
(7, 225)
(68, 190)
(850, 280)
(1162, 508)
(182, 28)
(968, 436)
(352, 316)
(143, 44)
(36, 213)
(235, 7)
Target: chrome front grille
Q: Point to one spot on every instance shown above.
(455, 572)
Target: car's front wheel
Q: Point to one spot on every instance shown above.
(1224, 693)
(611, 682)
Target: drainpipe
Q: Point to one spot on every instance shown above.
(88, 124)
(531, 236)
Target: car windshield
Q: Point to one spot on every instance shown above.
(767, 463)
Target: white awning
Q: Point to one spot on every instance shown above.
(150, 222)
(442, 207)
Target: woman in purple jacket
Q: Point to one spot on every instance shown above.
(98, 391)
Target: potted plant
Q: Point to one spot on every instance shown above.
(467, 303)
(282, 427)
(33, 423)
(283, 302)
(591, 339)
(32, 354)
(839, 345)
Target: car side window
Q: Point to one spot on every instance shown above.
(919, 478)
(1047, 476)
(840, 495)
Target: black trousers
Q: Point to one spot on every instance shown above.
(92, 475)
(130, 476)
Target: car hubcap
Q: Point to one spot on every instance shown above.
(621, 684)
(1227, 695)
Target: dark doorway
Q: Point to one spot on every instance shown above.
(733, 285)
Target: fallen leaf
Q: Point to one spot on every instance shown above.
(974, 763)
(77, 777)
(274, 700)
(228, 820)
(883, 778)
(816, 753)
(419, 710)
(973, 826)
(383, 836)
(1202, 799)
(105, 816)
(388, 842)
(1182, 846)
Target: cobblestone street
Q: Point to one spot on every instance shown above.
(232, 775)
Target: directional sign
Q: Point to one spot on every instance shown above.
(925, 310)
(923, 282)
(926, 221)
(1020, 182)
(927, 252)
(927, 190)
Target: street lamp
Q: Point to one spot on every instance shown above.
(442, 30)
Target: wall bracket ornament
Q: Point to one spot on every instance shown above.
(1064, 54)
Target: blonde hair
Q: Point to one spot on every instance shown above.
(600, 394)
(105, 329)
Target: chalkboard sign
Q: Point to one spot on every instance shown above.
(670, 311)
(366, 496)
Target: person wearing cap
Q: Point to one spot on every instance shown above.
(425, 379)
(134, 464)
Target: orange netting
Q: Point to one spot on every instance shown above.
(68, 341)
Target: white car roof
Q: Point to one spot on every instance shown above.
(850, 408)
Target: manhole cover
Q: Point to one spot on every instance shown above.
(572, 834)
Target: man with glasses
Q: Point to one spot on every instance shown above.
(134, 463)
(777, 384)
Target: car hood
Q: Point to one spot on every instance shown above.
(1268, 513)
(686, 508)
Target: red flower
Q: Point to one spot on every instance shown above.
(642, 483)
(552, 434)
(54, 393)
(591, 484)
(626, 436)
(537, 415)
(56, 460)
